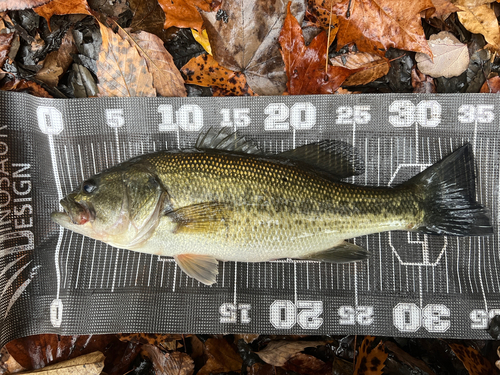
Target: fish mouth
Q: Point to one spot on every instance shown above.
(75, 212)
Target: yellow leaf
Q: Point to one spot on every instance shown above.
(202, 39)
(481, 20)
(88, 364)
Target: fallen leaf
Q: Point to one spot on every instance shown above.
(175, 363)
(370, 359)
(167, 79)
(20, 4)
(491, 85)
(150, 338)
(451, 58)
(324, 15)
(202, 38)
(88, 364)
(203, 70)
(37, 351)
(422, 84)
(404, 361)
(277, 353)
(376, 25)
(120, 69)
(149, 17)
(443, 8)
(371, 67)
(82, 82)
(30, 87)
(221, 357)
(497, 363)
(305, 66)
(8, 362)
(481, 20)
(472, 3)
(57, 62)
(306, 364)
(248, 41)
(5, 41)
(60, 7)
(184, 13)
(473, 361)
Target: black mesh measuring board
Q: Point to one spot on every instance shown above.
(53, 280)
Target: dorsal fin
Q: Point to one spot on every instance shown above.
(225, 140)
(336, 158)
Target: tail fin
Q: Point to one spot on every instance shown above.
(449, 203)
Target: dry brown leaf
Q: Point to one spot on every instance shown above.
(451, 58)
(167, 80)
(203, 70)
(492, 85)
(30, 87)
(5, 41)
(481, 20)
(277, 353)
(175, 363)
(472, 3)
(184, 13)
(305, 66)
(20, 4)
(421, 83)
(443, 8)
(60, 7)
(120, 69)
(473, 361)
(371, 67)
(57, 62)
(376, 25)
(306, 364)
(248, 41)
(221, 357)
(150, 338)
(88, 364)
(370, 360)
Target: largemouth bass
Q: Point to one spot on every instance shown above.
(225, 200)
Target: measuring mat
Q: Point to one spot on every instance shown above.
(414, 285)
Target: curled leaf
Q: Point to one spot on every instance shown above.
(481, 20)
(370, 66)
(277, 353)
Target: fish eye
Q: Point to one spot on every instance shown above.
(89, 186)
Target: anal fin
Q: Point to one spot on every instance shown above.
(203, 268)
(346, 252)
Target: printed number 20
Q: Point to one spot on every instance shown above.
(300, 116)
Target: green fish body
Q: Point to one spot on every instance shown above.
(224, 200)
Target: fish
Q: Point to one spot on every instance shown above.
(226, 200)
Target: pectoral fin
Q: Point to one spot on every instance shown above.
(203, 268)
(346, 252)
(204, 217)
